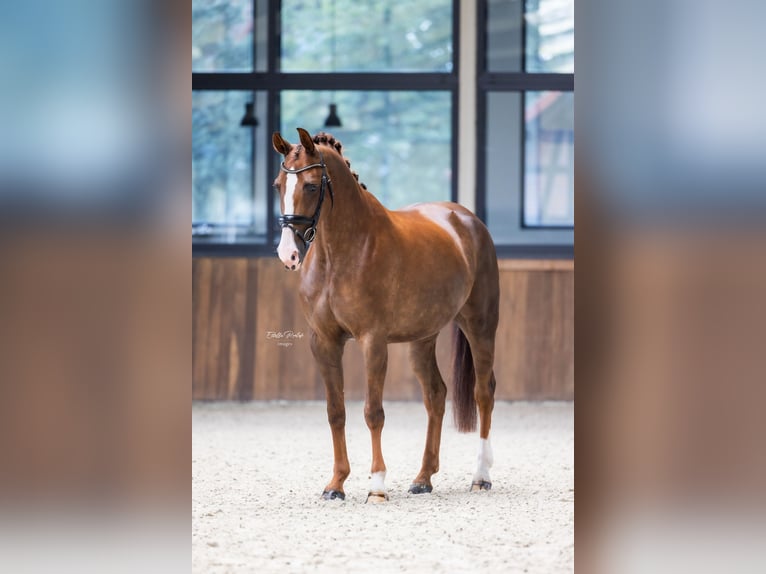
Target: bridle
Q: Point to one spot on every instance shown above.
(291, 219)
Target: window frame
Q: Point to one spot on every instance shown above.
(273, 81)
(561, 244)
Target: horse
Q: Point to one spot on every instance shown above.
(382, 276)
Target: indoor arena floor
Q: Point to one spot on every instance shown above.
(258, 470)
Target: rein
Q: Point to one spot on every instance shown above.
(290, 219)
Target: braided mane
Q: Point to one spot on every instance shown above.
(329, 140)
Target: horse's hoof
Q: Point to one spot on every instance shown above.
(333, 494)
(420, 488)
(376, 497)
(480, 485)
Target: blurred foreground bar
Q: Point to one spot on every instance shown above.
(94, 286)
(670, 287)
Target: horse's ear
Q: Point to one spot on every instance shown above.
(308, 143)
(280, 144)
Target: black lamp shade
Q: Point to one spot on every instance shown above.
(249, 119)
(333, 121)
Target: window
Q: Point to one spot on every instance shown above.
(530, 36)
(525, 155)
(548, 159)
(392, 138)
(366, 36)
(227, 205)
(390, 71)
(222, 35)
(391, 80)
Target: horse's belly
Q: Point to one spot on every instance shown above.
(418, 312)
(403, 315)
(413, 328)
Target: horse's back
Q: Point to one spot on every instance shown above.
(467, 231)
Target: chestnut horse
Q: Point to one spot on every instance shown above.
(382, 277)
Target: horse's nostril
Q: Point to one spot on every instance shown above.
(293, 268)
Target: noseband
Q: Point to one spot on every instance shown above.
(291, 219)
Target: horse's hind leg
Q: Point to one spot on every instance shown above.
(423, 360)
(478, 321)
(483, 351)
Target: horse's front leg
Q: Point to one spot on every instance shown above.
(329, 358)
(376, 361)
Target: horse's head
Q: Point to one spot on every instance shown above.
(302, 183)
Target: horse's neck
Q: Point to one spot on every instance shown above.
(354, 214)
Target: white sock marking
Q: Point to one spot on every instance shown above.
(287, 245)
(484, 461)
(377, 482)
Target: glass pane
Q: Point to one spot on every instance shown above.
(547, 26)
(366, 35)
(550, 36)
(533, 205)
(504, 35)
(222, 35)
(398, 142)
(223, 203)
(503, 160)
(549, 159)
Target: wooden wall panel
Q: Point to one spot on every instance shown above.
(222, 327)
(535, 341)
(241, 305)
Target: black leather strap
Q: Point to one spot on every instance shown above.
(291, 219)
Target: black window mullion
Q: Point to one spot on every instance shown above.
(255, 43)
(395, 81)
(254, 130)
(523, 154)
(455, 99)
(519, 81)
(272, 120)
(523, 41)
(253, 162)
(481, 155)
(453, 143)
(275, 35)
(455, 38)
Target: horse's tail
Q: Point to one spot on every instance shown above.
(463, 382)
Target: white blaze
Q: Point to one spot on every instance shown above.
(483, 461)
(287, 246)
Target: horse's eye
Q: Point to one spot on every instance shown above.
(310, 187)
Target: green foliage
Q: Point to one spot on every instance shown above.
(222, 35)
(366, 36)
